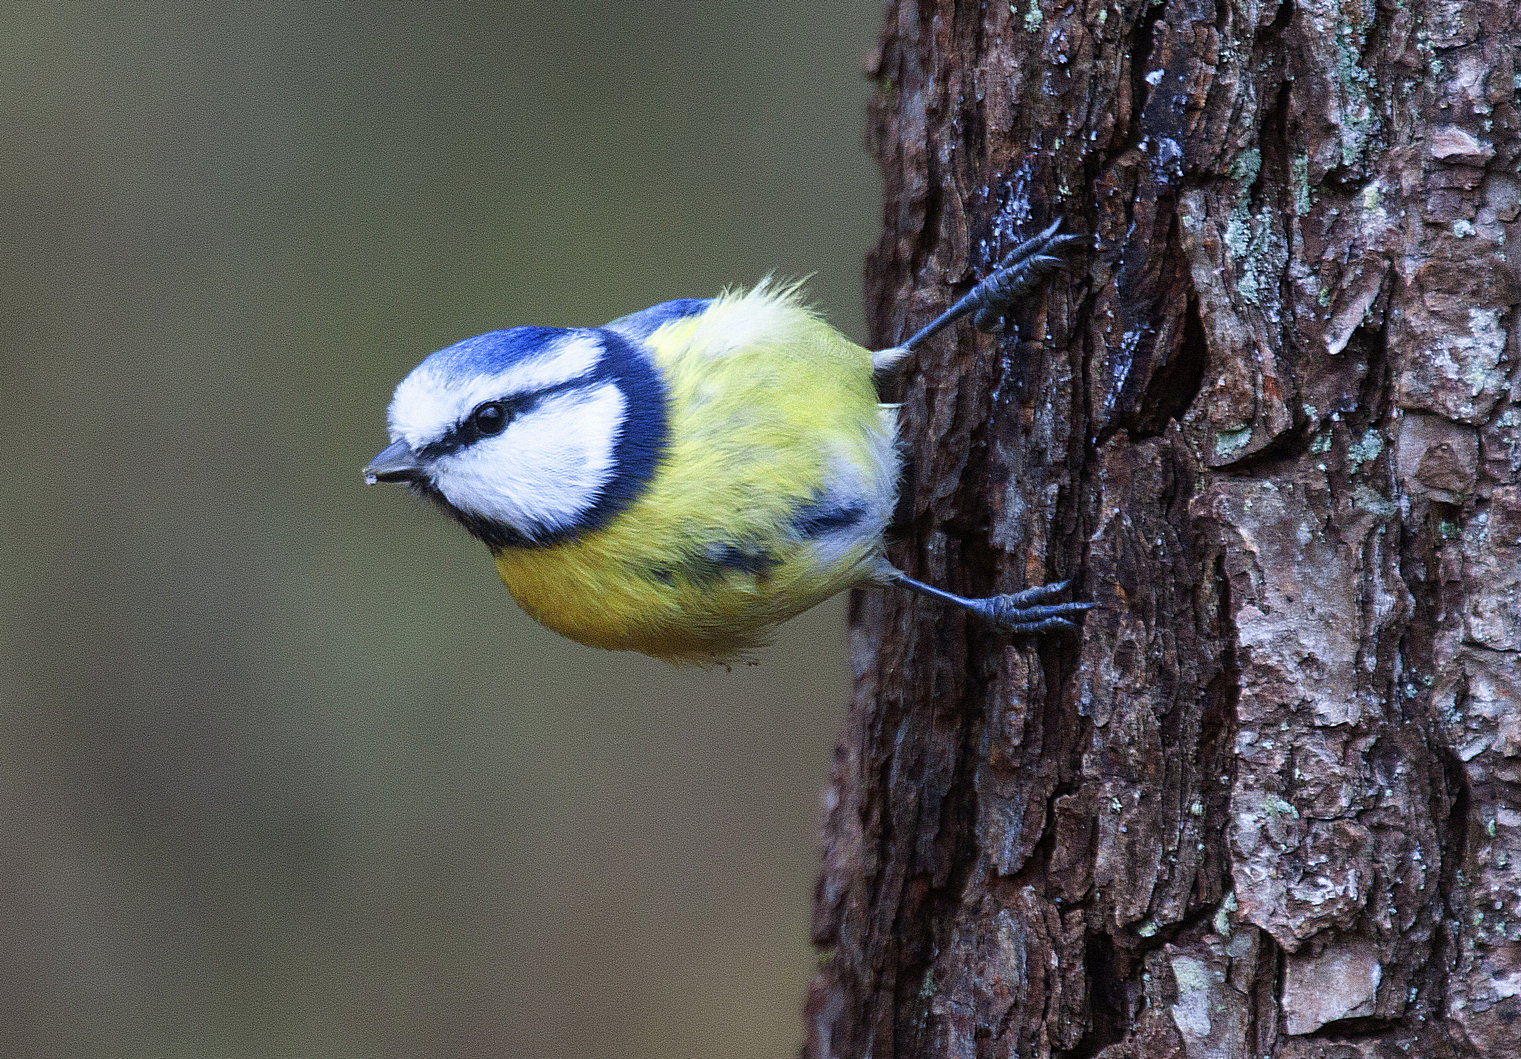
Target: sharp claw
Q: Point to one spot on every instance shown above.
(1040, 613)
(1048, 625)
(1038, 592)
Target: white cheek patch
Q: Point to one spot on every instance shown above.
(547, 469)
(436, 395)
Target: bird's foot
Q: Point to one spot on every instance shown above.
(1020, 269)
(1024, 612)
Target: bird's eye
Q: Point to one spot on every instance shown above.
(490, 418)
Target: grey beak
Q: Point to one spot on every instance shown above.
(395, 463)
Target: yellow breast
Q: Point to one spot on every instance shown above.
(778, 480)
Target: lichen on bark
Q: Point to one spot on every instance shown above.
(1269, 802)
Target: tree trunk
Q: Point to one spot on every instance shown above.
(1269, 802)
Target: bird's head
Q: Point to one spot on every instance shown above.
(528, 436)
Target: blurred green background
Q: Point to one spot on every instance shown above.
(284, 772)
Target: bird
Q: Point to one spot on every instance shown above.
(683, 479)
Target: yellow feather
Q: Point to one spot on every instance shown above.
(770, 411)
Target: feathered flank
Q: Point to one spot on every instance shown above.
(686, 477)
(890, 361)
(777, 481)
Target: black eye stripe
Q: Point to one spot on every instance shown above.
(467, 431)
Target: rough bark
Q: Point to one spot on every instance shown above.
(1269, 802)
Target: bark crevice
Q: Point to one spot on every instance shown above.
(1269, 802)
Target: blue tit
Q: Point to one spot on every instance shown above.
(681, 480)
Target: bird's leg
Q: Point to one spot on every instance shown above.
(988, 303)
(1021, 612)
(992, 298)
